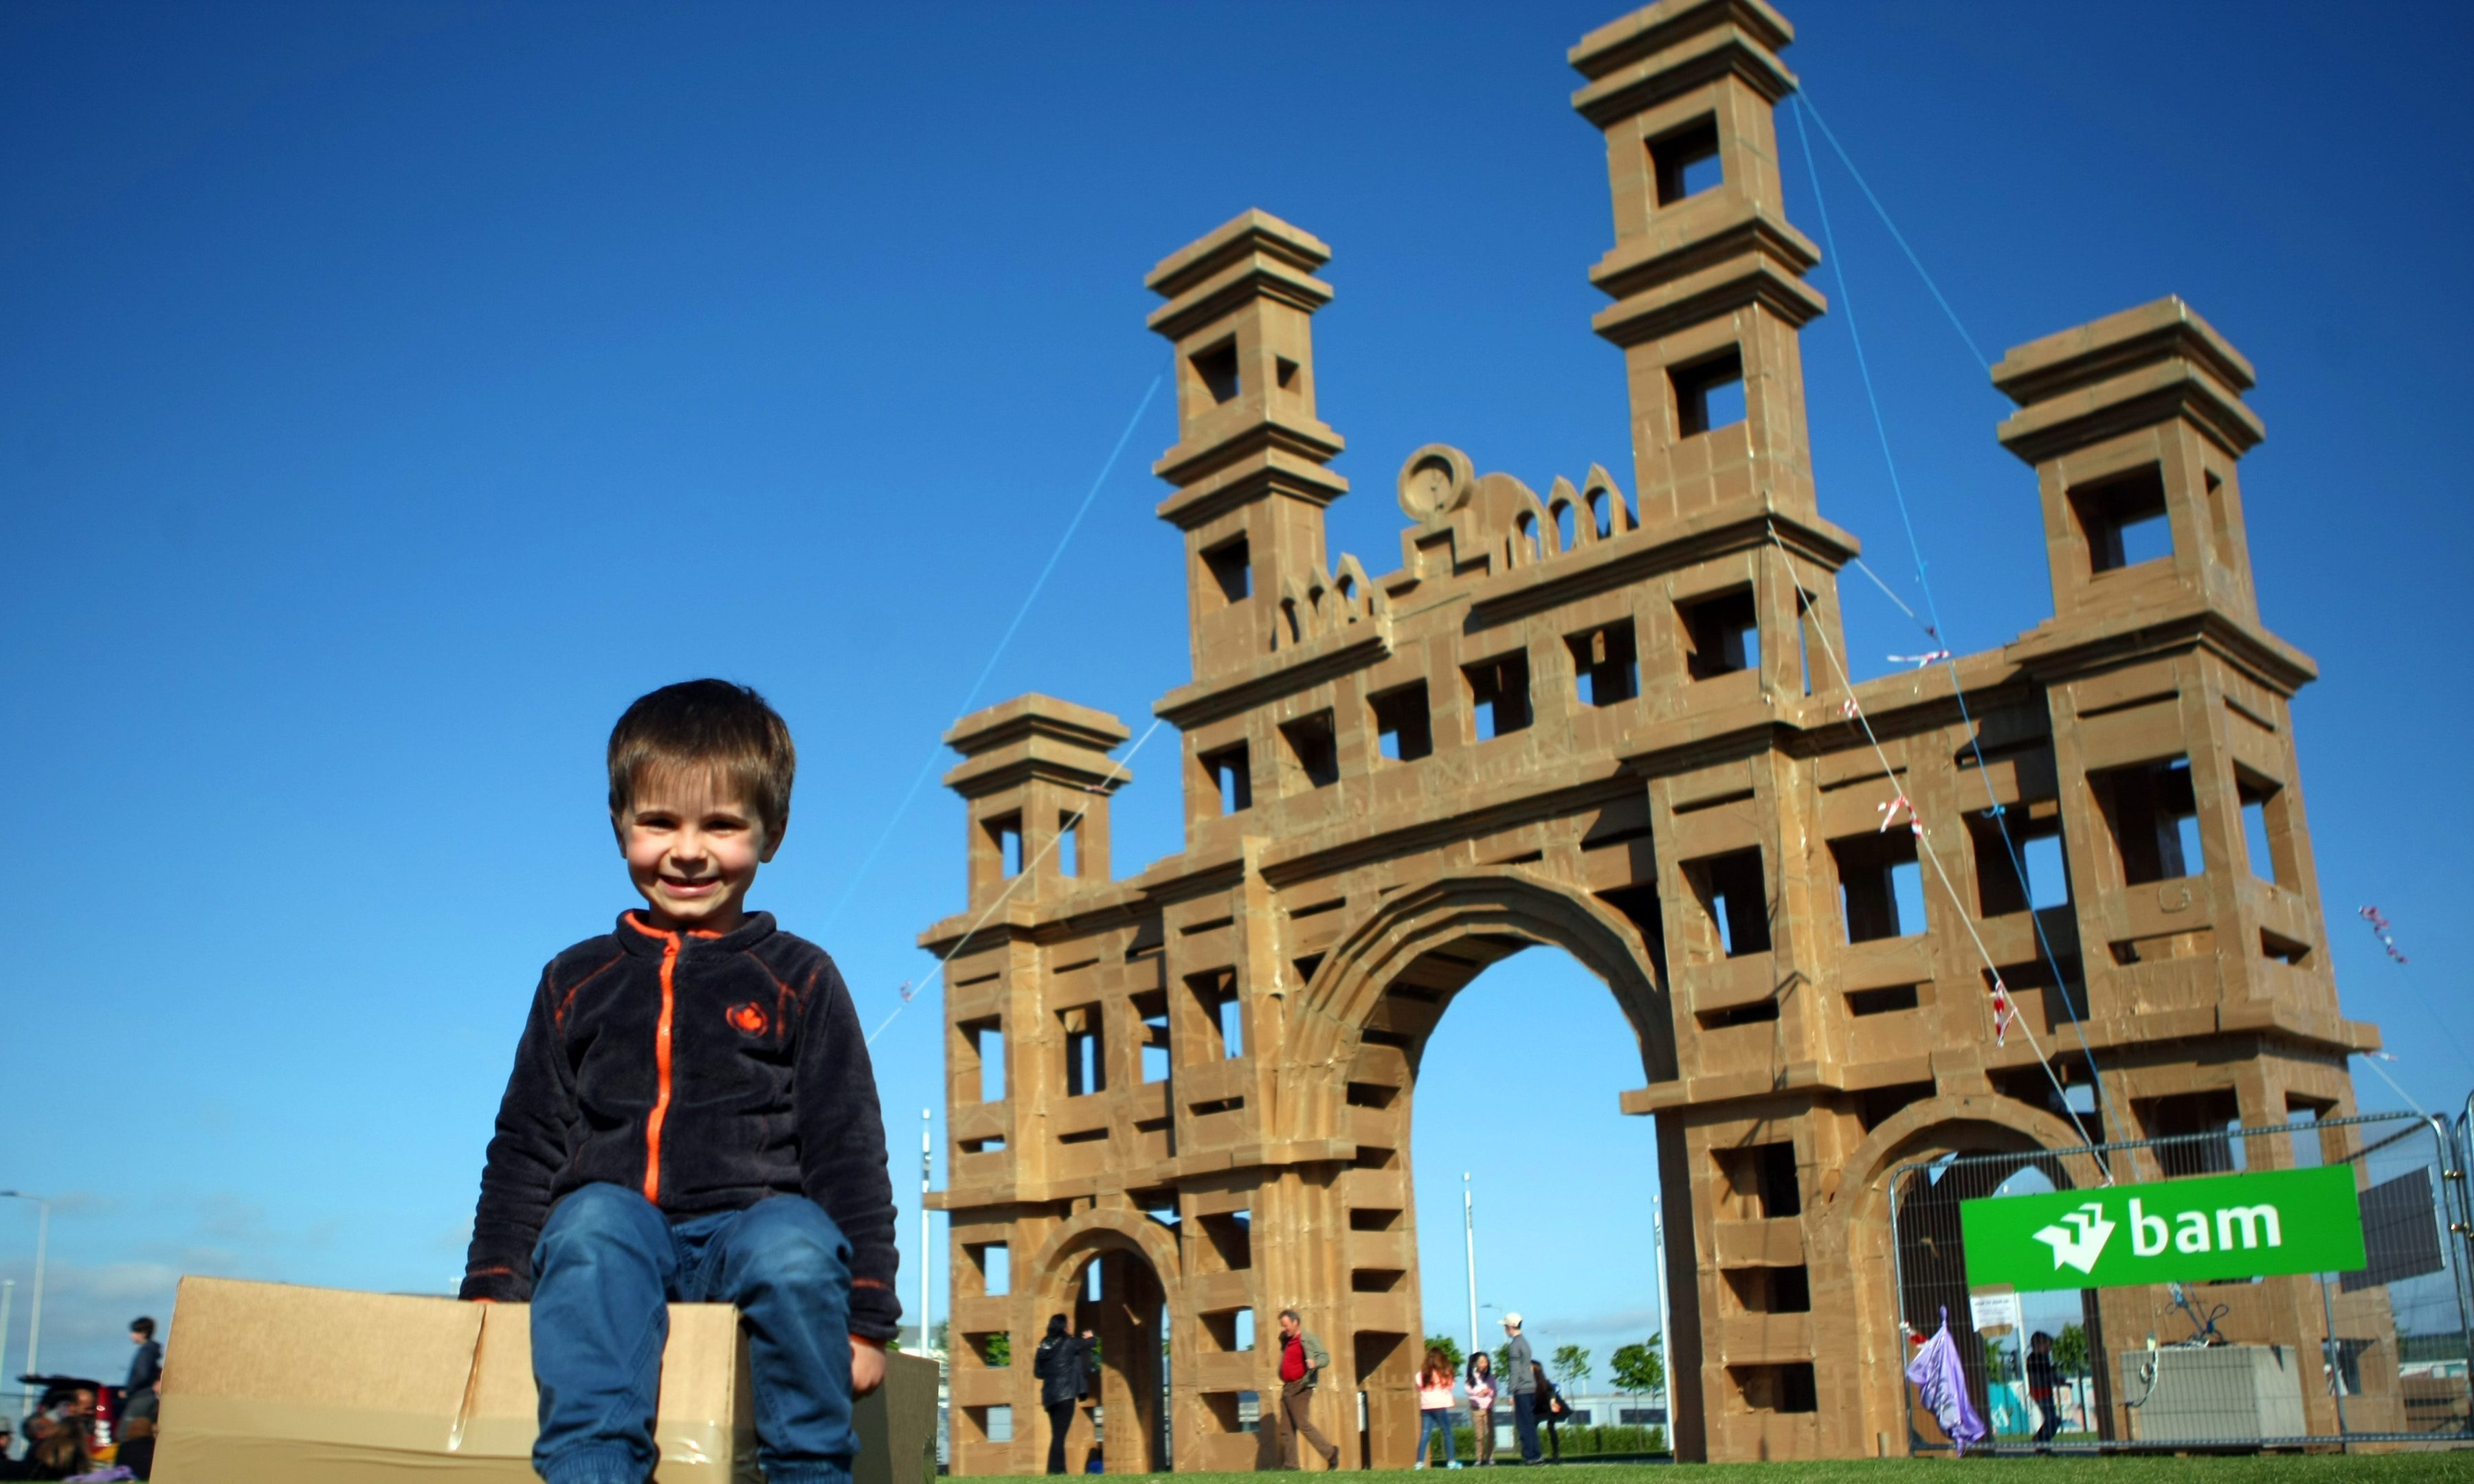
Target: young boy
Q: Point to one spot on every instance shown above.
(692, 1118)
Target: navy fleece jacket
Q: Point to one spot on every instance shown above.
(706, 1072)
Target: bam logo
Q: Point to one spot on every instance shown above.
(2189, 1230)
(2080, 1249)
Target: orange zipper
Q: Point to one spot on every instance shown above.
(662, 1071)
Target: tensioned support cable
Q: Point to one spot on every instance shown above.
(971, 698)
(1932, 625)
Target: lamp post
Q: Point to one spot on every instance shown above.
(1469, 1230)
(42, 1243)
(1657, 1240)
(925, 1344)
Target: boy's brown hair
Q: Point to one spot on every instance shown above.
(715, 725)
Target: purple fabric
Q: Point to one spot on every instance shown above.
(1943, 1385)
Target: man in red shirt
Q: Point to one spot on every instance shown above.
(1301, 1357)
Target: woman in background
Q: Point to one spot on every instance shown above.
(1434, 1405)
(1552, 1408)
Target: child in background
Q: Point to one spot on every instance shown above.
(692, 1118)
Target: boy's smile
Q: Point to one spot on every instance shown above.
(693, 846)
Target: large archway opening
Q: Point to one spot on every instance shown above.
(1108, 1287)
(1516, 1090)
(1377, 1005)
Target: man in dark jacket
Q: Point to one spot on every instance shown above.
(1063, 1368)
(2044, 1378)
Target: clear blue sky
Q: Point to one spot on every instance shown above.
(390, 393)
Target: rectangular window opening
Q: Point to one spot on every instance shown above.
(1709, 393)
(1069, 845)
(983, 1042)
(1231, 1235)
(1152, 1007)
(1231, 570)
(1215, 995)
(1722, 634)
(1771, 1290)
(996, 1423)
(1005, 830)
(1086, 1061)
(1685, 163)
(1231, 776)
(1760, 1012)
(990, 1145)
(2267, 829)
(1882, 1001)
(1314, 749)
(1287, 371)
(2153, 815)
(1762, 1181)
(1499, 695)
(2124, 520)
(1605, 663)
(1881, 885)
(994, 1262)
(2284, 949)
(1404, 728)
(1734, 893)
(1215, 369)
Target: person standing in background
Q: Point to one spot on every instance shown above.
(1062, 1366)
(1519, 1373)
(1481, 1405)
(1435, 1406)
(145, 1369)
(2044, 1378)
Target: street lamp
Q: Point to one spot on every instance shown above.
(42, 1241)
(1657, 1240)
(1468, 1229)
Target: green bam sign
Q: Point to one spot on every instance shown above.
(2224, 1226)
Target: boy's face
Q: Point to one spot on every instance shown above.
(693, 846)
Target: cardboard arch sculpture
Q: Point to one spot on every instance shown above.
(1635, 745)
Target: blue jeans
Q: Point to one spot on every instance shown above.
(1431, 1420)
(607, 1265)
(1524, 1424)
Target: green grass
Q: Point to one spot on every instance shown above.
(2451, 1468)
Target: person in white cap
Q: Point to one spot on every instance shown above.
(1521, 1381)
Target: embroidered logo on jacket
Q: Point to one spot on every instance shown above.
(748, 1017)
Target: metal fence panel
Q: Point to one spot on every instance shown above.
(2376, 1356)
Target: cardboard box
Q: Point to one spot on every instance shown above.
(266, 1383)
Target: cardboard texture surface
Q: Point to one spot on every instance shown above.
(1612, 718)
(267, 1383)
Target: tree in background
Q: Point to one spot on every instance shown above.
(2071, 1350)
(1450, 1347)
(1503, 1367)
(1641, 1369)
(998, 1349)
(1571, 1367)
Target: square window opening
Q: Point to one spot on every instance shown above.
(1231, 1235)
(1215, 370)
(2124, 520)
(996, 1423)
(1709, 393)
(1231, 777)
(1288, 373)
(1722, 634)
(1685, 163)
(1881, 885)
(1231, 569)
(2038, 844)
(1499, 695)
(1404, 728)
(1314, 749)
(1732, 891)
(1762, 1181)
(1606, 664)
(2153, 815)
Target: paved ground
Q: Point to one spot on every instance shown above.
(2432, 1468)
